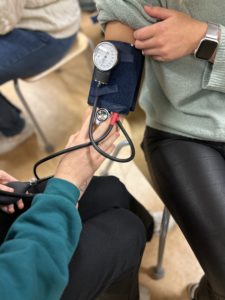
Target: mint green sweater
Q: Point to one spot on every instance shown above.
(186, 96)
(35, 255)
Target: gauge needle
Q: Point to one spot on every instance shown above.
(104, 57)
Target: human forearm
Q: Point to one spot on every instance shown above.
(79, 166)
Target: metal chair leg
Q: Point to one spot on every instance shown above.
(91, 48)
(157, 272)
(48, 146)
(91, 45)
(119, 147)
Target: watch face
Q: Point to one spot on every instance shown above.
(105, 56)
(206, 49)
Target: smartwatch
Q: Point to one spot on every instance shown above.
(207, 47)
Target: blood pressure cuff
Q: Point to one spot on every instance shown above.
(121, 92)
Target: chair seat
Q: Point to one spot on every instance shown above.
(81, 44)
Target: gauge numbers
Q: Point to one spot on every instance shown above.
(105, 56)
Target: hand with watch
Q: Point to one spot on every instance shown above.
(175, 35)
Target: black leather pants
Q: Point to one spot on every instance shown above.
(189, 176)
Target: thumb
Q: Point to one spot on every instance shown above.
(158, 12)
(5, 177)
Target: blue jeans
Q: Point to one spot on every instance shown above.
(25, 53)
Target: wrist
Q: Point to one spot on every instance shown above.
(201, 30)
(66, 177)
(62, 187)
(76, 179)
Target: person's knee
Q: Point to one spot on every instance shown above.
(116, 235)
(125, 236)
(131, 231)
(112, 189)
(106, 192)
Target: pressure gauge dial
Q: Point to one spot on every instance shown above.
(105, 56)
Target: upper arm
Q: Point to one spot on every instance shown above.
(117, 31)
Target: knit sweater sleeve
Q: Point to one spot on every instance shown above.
(35, 255)
(10, 14)
(214, 76)
(129, 12)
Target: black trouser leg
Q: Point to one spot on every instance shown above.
(112, 242)
(10, 121)
(109, 252)
(189, 176)
(126, 287)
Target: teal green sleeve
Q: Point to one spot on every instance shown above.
(38, 247)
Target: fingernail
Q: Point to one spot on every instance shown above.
(5, 209)
(20, 204)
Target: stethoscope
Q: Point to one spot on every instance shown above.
(105, 58)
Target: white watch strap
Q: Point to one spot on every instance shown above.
(213, 31)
